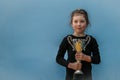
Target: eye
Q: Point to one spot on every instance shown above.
(82, 21)
(75, 21)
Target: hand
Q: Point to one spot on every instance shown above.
(75, 66)
(81, 56)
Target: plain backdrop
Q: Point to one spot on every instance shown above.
(31, 31)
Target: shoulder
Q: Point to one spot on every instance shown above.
(91, 37)
(93, 40)
(67, 37)
(65, 41)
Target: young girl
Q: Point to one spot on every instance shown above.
(90, 51)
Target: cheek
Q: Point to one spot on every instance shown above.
(72, 25)
(84, 25)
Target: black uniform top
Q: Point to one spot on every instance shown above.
(90, 47)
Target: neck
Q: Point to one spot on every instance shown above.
(79, 35)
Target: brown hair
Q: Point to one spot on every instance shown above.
(79, 12)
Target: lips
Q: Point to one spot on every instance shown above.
(79, 28)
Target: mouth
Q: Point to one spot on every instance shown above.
(79, 28)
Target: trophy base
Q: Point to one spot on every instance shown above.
(78, 75)
(78, 72)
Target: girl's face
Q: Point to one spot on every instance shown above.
(79, 24)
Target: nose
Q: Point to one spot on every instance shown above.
(79, 24)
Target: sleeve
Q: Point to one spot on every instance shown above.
(61, 53)
(95, 52)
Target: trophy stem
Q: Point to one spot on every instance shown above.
(78, 71)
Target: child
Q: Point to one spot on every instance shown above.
(90, 51)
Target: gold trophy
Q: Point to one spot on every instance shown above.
(78, 48)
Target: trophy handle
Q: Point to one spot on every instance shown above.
(69, 38)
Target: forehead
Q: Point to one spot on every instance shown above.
(78, 17)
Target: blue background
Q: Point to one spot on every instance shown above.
(31, 31)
